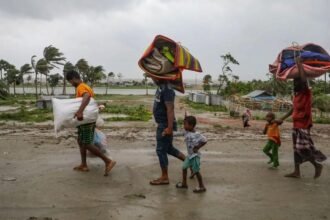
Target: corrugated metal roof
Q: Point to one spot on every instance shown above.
(257, 93)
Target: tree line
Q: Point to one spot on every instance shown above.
(229, 84)
(52, 59)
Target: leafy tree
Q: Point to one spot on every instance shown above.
(53, 57)
(24, 70)
(95, 74)
(109, 76)
(82, 68)
(67, 67)
(53, 81)
(226, 70)
(322, 102)
(207, 79)
(274, 86)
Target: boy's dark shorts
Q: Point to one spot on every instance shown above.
(86, 133)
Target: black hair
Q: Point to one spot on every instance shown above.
(191, 120)
(271, 114)
(72, 74)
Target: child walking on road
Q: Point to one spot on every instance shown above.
(274, 142)
(194, 142)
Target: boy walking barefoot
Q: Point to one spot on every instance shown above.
(86, 131)
(274, 142)
(194, 142)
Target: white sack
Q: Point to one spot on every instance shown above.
(64, 110)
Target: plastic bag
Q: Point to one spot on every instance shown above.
(99, 121)
(64, 110)
(100, 140)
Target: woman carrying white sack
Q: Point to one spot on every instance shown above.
(86, 131)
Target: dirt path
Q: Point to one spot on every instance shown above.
(240, 185)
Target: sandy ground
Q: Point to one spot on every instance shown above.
(37, 180)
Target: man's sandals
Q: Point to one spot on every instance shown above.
(159, 182)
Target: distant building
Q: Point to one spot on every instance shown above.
(259, 95)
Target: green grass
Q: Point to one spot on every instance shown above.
(319, 120)
(23, 115)
(134, 113)
(203, 107)
(18, 100)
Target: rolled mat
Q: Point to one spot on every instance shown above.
(174, 67)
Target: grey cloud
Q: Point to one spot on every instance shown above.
(52, 9)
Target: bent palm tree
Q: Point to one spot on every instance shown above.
(43, 68)
(67, 67)
(82, 68)
(53, 57)
(25, 69)
(13, 77)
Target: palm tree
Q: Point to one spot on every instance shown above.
(82, 68)
(67, 67)
(13, 77)
(43, 68)
(33, 64)
(110, 75)
(25, 69)
(53, 57)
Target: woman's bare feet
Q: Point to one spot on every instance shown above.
(108, 167)
(293, 175)
(318, 171)
(81, 168)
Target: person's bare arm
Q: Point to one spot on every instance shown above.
(284, 117)
(199, 146)
(301, 70)
(85, 101)
(265, 129)
(170, 118)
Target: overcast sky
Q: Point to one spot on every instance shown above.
(115, 33)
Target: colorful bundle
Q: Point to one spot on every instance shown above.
(315, 61)
(165, 60)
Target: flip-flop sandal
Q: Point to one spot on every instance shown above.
(199, 190)
(180, 186)
(109, 168)
(158, 182)
(81, 169)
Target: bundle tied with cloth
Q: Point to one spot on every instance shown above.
(315, 61)
(165, 59)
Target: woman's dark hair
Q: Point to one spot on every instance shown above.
(191, 120)
(72, 74)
